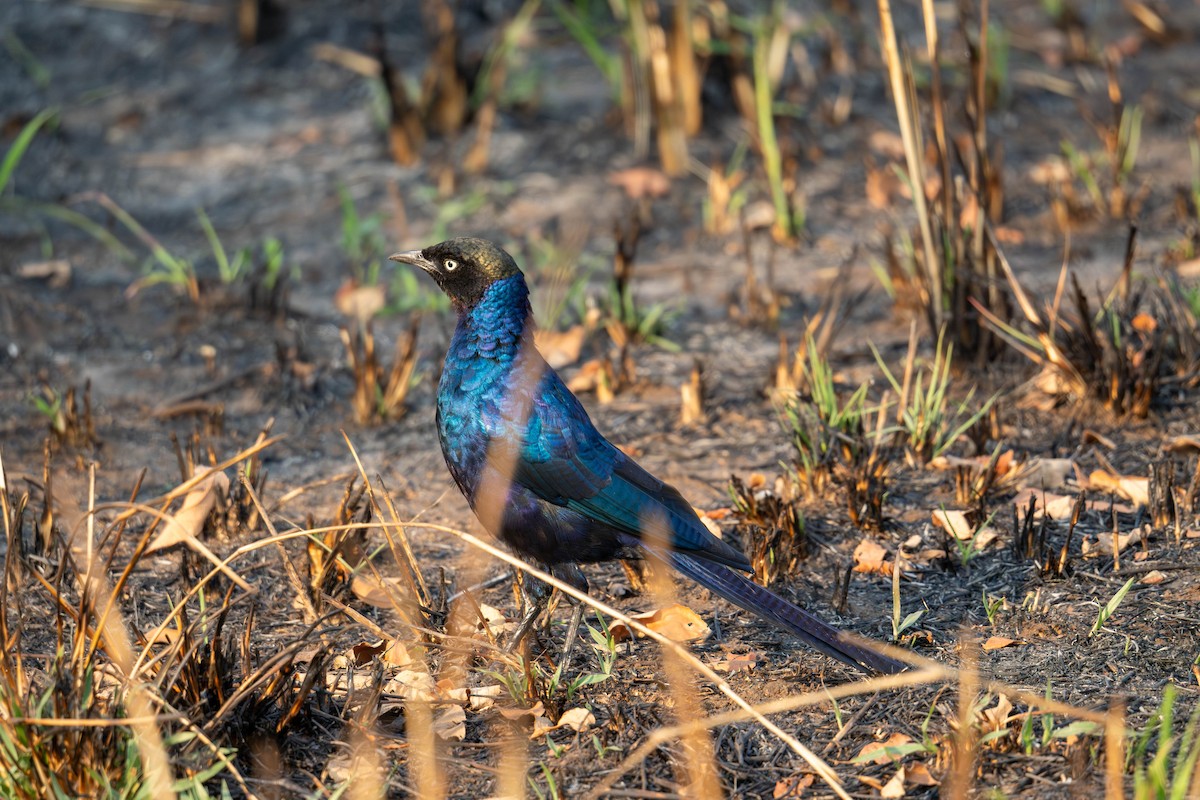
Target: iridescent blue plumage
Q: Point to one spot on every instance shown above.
(540, 476)
(573, 497)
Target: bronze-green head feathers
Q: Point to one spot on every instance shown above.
(463, 268)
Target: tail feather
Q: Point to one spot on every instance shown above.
(746, 594)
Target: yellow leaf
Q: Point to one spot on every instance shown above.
(918, 775)
(870, 556)
(996, 642)
(1132, 488)
(677, 622)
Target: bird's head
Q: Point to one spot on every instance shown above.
(463, 268)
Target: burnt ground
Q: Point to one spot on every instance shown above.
(165, 115)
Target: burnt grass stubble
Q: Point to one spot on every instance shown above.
(141, 357)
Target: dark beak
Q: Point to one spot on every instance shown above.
(415, 258)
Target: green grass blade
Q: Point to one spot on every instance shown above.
(24, 138)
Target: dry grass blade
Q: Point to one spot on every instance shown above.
(375, 397)
(413, 572)
(1114, 752)
(904, 95)
(1122, 354)
(310, 611)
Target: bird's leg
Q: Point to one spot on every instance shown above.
(535, 594)
(573, 576)
(564, 663)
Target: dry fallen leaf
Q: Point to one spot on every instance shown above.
(541, 724)
(870, 556)
(361, 303)
(996, 642)
(587, 378)
(185, 525)
(575, 719)
(996, 718)
(364, 653)
(56, 272)
(887, 144)
(956, 524)
(447, 689)
(560, 348)
(514, 714)
(412, 685)
(953, 522)
(639, 182)
(677, 622)
(918, 775)
(737, 662)
(1009, 235)
(1134, 489)
(1094, 437)
(894, 788)
(1056, 506)
(482, 698)
(1104, 544)
(450, 723)
(1144, 323)
(792, 786)
(1045, 473)
(1182, 444)
(884, 757)
(495, 620)
(376, 590)
(883, 184)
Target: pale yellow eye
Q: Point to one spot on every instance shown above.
(450, 264)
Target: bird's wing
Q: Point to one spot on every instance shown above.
(564, 460)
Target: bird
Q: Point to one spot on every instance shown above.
(544, 481)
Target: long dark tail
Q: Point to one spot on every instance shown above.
(745, 594)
